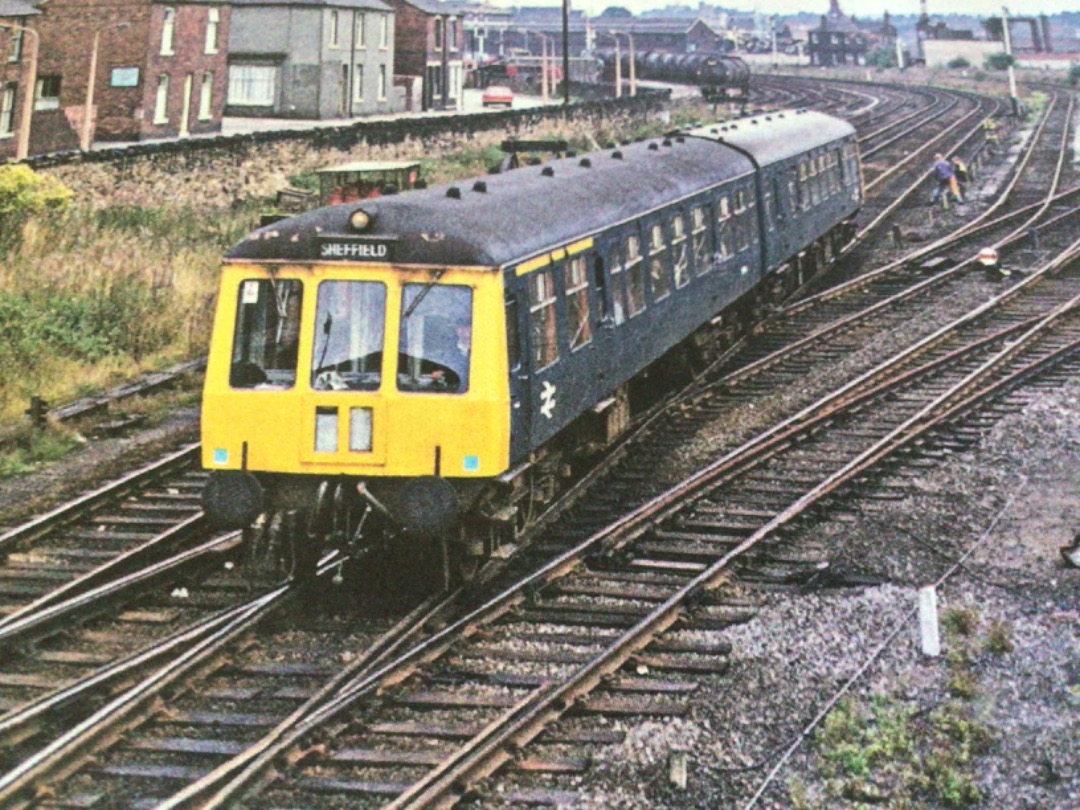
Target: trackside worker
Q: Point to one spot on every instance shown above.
(944, 178)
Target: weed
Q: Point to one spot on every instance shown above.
(32, 448)
(963, 684)
(960, 621)
(999, 639)
(888, 753)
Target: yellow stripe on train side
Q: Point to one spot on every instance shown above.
(556, 255)
(533, 264)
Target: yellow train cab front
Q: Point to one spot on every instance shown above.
(358, 370)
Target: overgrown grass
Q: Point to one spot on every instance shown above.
(32, 448)
(88, 298)
(889, 752)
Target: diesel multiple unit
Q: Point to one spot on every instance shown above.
(413, 374)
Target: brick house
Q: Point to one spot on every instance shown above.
(14, 70)
(428, 43)
(312, 59)
(159, 70)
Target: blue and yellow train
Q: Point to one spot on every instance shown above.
(413, 375)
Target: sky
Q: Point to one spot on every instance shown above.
(862, 9)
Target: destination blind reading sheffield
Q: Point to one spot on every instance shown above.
(339, 248)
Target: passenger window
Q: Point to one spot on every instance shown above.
(699, 235)
(680, 256)
(659, 274)
(635, 276)
(576, 282)
(350, 319)
(543, 329)
(743, 225)
(617, 288)
(435, 340)
(266, 335)
(723, 229)
(600, 282)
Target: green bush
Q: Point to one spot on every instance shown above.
(23, 193)
(1074, 75)
(958, 63)
(999, 61)
(881, 58)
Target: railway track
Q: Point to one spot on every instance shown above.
(177, 763)
(586, 634)
(100, 535)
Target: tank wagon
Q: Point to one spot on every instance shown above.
(719, 77)
(409, 378)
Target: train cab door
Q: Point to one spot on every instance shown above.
(520, 389)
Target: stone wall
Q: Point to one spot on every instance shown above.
(222, 171)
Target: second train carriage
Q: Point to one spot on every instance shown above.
(413, 371)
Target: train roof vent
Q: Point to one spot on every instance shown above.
(667, 141)
(548, 171)
(780, 115)
(454, 193)
(754, 121)
(680, 139)
(585, 163)
(714, 131)
(616, 155)
(653, 147)
(571, 153)
(388, 190)
(480, 186)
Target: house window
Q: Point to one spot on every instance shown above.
(358, 83)
(252, 85)
(213, 19)
(161, 103)
(384, 31)
(48, 93)
(16, 43)
(206, 97)
(576, 281)
(453, 35)
(7, 111)
(438, 33)
(382, 82)
(543, 330)
(335, 31)
(359, 31)
(168, 31)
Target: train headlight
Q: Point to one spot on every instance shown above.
(326, 430)
(359, 220)
(360, 430)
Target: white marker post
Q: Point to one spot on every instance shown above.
(928, 621)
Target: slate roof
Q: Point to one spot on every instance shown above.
(16, 8)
